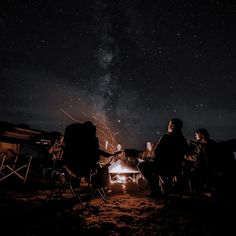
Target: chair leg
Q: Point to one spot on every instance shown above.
(62, 189)
(76, 195)
(168, 184)
(101, 193)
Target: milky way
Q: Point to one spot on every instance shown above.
(129, 66)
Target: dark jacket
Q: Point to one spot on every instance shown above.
(169, 153)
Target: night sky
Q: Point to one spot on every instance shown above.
(128, 66)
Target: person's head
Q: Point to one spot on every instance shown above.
(119, 147)
(60, 139)
(202, 134)
(149, 145)
(175, 124)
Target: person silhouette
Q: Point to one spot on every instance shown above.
(213, 168)
(169, 155)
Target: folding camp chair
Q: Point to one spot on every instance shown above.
(62, 179)
(99, 180)
(84, 191)
(80, 160)
(18, 166)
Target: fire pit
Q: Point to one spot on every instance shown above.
(123, 177)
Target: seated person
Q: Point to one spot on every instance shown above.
(121, 155)
(148, 154)
(56, 150)
(169, 154)
(212, 163)
(52, 161)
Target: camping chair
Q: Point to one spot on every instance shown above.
(18, 166)
(62, 179)
(99, 180)
(80, 162)
(85, 191)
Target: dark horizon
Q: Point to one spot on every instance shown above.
(8, 126)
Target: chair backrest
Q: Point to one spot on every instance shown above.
(81, 150)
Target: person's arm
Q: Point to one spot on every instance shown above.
(50, 150)
(106, 154)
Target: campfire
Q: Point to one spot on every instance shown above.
(123, 175)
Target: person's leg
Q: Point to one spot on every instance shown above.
(149, 172)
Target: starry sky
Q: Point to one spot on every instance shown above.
(128, 66)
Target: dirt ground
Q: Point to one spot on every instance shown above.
(29, 211)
